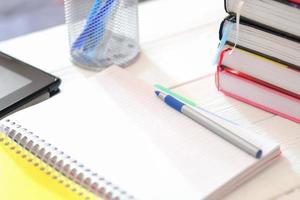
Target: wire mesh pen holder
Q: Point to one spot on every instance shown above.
(102, 32)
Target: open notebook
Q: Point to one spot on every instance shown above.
(119, 140)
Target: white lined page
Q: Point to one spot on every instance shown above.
(117, 127)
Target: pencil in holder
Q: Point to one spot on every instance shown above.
(102, 32)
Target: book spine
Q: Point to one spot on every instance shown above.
(62, 163)
(219, 67)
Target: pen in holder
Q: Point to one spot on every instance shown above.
(102, 32)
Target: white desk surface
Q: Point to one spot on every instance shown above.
(178, 40)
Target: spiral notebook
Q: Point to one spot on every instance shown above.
(119, 141)
(23, 176)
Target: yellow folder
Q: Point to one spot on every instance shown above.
(24, 176)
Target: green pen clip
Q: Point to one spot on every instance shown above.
(188, 101)
(177, 96)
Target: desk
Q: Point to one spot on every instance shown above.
(178, 47)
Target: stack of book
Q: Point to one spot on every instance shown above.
(264, 68)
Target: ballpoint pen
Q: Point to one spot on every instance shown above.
(211, 125)
(189, 102)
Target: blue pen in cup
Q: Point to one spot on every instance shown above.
(102, 32)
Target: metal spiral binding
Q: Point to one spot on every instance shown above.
(63, 163)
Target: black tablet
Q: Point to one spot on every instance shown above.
(22, 85)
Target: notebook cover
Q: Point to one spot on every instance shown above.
(232, 18)
(24, 176)
(249, 101)
(264, 26)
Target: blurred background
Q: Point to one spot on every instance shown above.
(19, 17)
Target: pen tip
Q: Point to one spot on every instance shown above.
(157, 93)
(259, 154)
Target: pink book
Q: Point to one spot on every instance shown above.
(256, 94)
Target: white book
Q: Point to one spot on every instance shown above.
(115, 126)
(263, 69)
(281, 15)
(264, 42)
(259, 95)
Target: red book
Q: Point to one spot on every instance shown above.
(295, 1)
(260, 69)
(249, 90)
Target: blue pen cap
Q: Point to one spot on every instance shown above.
(172, 102)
